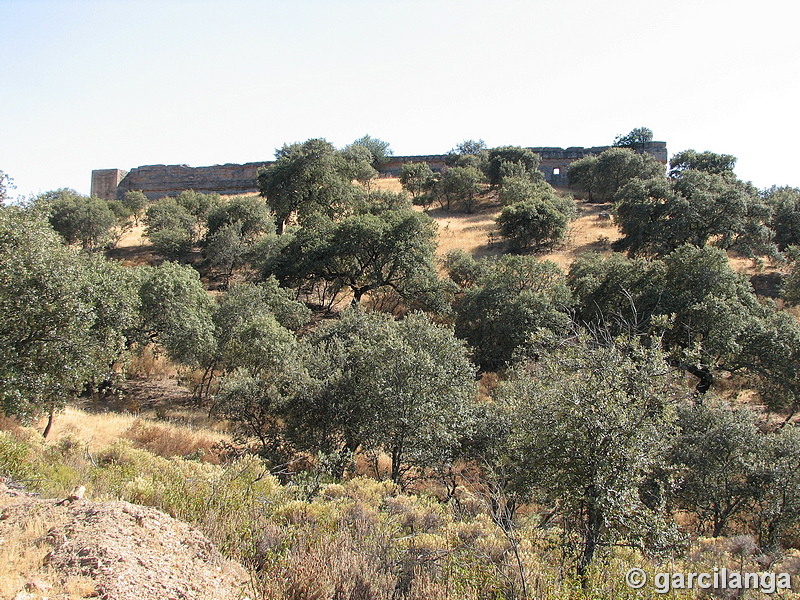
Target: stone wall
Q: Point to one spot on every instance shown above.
(555, 162)
(106, 181)
(392, 168)
(157, 181)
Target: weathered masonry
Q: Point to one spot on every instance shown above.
(157, 181)
(556, 161)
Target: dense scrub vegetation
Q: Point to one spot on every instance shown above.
(528, 432)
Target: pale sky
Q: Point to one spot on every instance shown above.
(115, 84)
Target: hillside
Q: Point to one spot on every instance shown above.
(476, 233)
(339, 454)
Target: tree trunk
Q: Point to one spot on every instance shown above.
(50, 420)
(396, 454)
(591, 537)
(349, 448)
(704, 375)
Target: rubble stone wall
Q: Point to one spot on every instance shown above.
(157, 181)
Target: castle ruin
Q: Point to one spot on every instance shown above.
(157, 181)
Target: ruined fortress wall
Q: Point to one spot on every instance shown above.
(391, 168)
(555, 162)
(106, 181)
(157, 181)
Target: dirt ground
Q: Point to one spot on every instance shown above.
(76, 548)
(478, 235)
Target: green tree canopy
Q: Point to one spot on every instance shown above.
(417, 178)
(784, 203)
(469, 153)
(469, 147)
(705, 314)
(250, 212)
(261, 362)
(532, 224)
(791, 283)
(403, 387)
(379, 201)
(515, 189)
(459, 184)
(513, 298)
(198, 204)
(307, 178)
(359, 160)
(719, 462)
(635, 139)
(378, 150)
(170, 227)
(695, 294)
(362, 253)
(694, 206)
(508, 160)
(176, 312)
(79, 219)
(136, 202)
(707, 162)
(589, 423)
(462, 269)
(64, 317)
(6, 183)
(603, 175)
(232, 230)
(777, 510)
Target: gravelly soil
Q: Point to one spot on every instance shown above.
(131, 552)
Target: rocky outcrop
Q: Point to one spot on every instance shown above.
(128, 552)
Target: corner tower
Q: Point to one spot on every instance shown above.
(105, 182)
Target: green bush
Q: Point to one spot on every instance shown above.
(170, 228)
(16, 461)
(533, 224)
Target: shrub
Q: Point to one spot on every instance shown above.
(170, 228)
(15, 459)
(81, 219)
(535, 224)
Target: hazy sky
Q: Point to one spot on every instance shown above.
(90, 85)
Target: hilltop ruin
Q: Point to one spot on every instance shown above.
(157, 181)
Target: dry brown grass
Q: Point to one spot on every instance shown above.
(587, 233)
(477, 233)
(100, 430)
(133, 248)
(23, 565)
(168, 440)
(133, 237)
(96, 430)
(149, 364)
(391, 184)
(474, 233)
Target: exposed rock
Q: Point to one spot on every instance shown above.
(130, 552)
